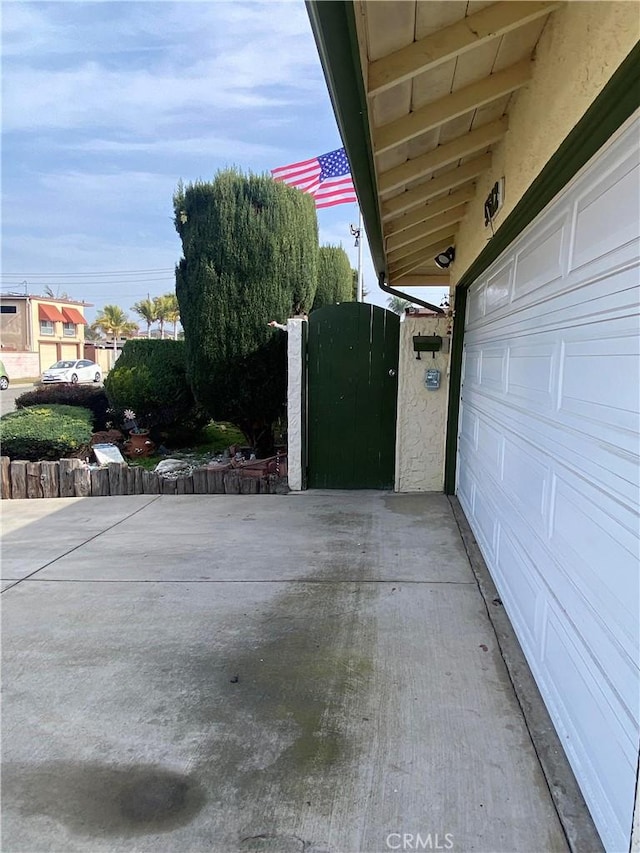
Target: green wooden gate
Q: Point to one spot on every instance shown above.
(352, 383)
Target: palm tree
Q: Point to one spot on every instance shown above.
(162, 311)
(146, 309)
(113, 321)
(173, 312)
(398, 305)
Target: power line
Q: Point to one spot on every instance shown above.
(27, 275)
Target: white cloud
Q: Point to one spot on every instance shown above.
(222, 59)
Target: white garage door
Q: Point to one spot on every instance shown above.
(548, 472)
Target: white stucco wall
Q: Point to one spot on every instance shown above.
(295, 415)
(422, 414)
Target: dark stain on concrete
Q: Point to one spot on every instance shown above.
(97, 799)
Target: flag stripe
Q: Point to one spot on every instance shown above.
(327, 178)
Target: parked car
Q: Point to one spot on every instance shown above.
(73, 371)
(4, 377)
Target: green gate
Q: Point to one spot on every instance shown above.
(352, 391)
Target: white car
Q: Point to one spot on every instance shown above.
(73, 371)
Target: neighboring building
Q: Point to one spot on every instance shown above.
(50, 328)
(504, 137)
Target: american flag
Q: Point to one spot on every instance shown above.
(327, 178)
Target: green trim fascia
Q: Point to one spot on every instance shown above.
(455, 377)
(334, 28)
(618, 100)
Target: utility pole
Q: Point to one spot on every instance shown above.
(357, 233)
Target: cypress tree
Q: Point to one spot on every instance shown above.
(334, 277)
(250, 255)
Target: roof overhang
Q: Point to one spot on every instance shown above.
(421, 92)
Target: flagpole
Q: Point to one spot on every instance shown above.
(360, 287)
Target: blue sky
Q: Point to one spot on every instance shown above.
(107, 105)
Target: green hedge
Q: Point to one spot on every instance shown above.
(66, 394)
(150, 378)
(45, 432)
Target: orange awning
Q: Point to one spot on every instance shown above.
(72, 315)
(50, 312)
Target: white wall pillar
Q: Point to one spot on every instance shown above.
(422, 414)
(296, 406)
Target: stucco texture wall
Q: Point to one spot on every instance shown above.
(580, 48)
(420, 435)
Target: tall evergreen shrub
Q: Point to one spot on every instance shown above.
(335, 277)
(250, 249)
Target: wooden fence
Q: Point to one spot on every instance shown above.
(71, 478)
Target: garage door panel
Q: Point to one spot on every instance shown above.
(517, 577)
(598, 750)
(543, 261)
(569, 440)
(526, 478)
(498, 289)
(600, 381)
(602, 539)
(493, 368)
(548, 467)
(526, 576)
(608, 289)
(608, 214)
(489, 446)
(532, 371)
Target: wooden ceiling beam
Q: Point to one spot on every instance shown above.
(451, 106)
(428, 211)
(452, 41)
(397, 205)
(425, 280)
(437, 238)
(414, 262)
(422, 229)
(420, 166)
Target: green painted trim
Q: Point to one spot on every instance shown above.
(455, 378)
(619, 99)
(304, 405)
(333, 24)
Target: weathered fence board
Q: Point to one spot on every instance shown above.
(231, 483)
(67, 467)
(18, 471)
(215, 481)
(50, 479)
(184, 485)
(6, 477)
(99, 482)
(150, 483)
(200, 482)
(71, 478)
(82, 482)
(34, 483)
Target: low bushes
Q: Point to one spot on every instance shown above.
(150, 378)
(64, 394)
(45, 432)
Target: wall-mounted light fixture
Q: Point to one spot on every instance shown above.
(444, 259)
(427, 343)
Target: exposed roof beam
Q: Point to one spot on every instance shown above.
(418, 259)
(427, 211)
(395, 258)
(451, 41)
(426, 280)
(451, 106)
(411, 170)
(419, 195)
(411, 235)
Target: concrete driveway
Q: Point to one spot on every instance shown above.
(311, 672)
